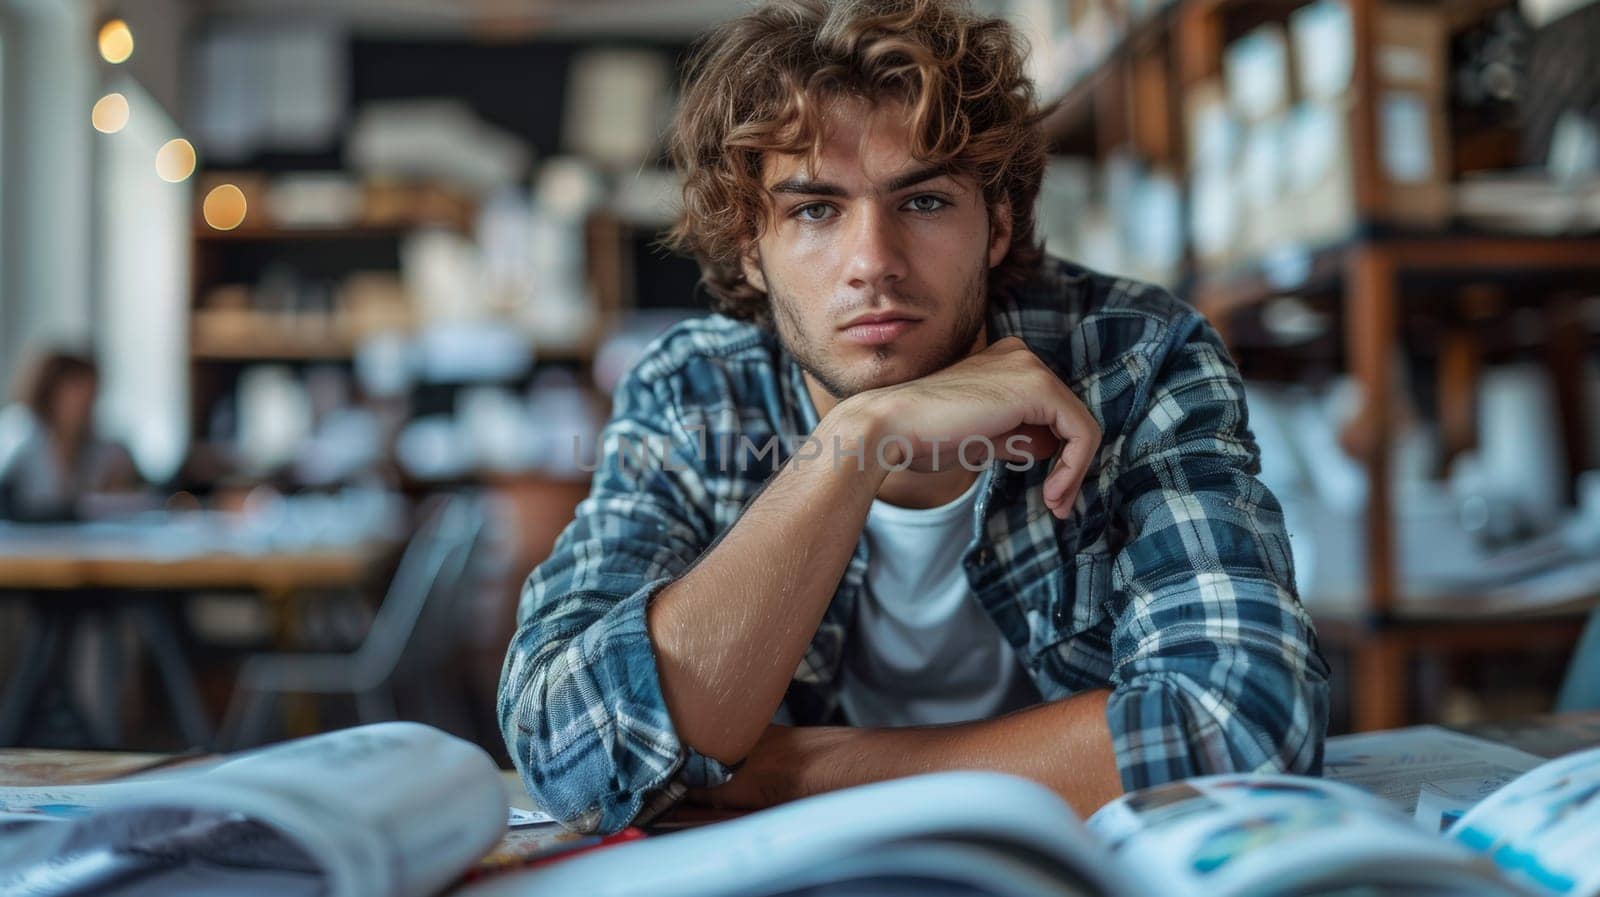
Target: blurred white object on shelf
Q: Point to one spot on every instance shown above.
(274, 417)
(1518, 439)
(496, 429)
(435, 141)
(561, 312)
(431, 448)
(1527, 202)
(471, 352)
(1463, 545)
(1256, 68)
(616, 106)
(1323, 39)
(314, 199)
(567, 423)
(261, 85)
(443, 272)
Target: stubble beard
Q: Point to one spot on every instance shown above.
(810, 350)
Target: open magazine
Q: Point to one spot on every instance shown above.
(1216, 836)
(391, 808)
(400, 808)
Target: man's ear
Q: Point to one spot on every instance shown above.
(999, 231)
(750, 262)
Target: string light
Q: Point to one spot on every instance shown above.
(175, 161)
(116, 42)
(110, 113)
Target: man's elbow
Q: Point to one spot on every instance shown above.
(585, 725)
(562, 753)
(1273, 721)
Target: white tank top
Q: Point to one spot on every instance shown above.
(921, 651)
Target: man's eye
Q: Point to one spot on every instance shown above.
(926, 203)
(816, 211)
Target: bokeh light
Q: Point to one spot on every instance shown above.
(110, 113)
(175, 161)
(224, 207)
(116, 41)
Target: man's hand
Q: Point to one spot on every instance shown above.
(1063, 744)
(1003, 394)
(785, 765)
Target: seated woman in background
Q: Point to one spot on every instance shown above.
(55, 459)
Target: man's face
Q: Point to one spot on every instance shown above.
(872, 231)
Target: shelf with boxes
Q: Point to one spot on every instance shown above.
(396, 330)
(1244, 151)
(378, 260)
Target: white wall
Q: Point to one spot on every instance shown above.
(48, 82)
(143, 226)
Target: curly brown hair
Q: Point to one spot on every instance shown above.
(764, 83)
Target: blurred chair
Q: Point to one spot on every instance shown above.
(411, 639)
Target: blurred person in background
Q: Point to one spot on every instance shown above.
(53, 459)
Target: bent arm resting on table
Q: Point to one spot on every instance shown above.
(644, 661)
(1063, 744)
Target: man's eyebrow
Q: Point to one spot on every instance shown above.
(804, 187)
(912, 178)
(807, 188)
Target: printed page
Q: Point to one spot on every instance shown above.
(1441, 804)
(1221, 836)
(1396, 765)
(872, 836)
(395, 808)
(1544, 828)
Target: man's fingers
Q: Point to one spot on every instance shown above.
(1065, 482)
(1082, 440)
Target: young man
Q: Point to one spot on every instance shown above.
(919, 497)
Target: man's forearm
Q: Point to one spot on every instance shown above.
(730, 632)
(1065, 745)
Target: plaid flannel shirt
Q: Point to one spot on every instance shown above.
(1170, 583)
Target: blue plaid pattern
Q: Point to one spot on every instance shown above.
(1170, 583)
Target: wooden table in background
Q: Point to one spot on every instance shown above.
(66, 589)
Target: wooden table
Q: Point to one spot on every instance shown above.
(70, 585)
(268, 573)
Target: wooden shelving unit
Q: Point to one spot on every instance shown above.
(225, 341)
(1133, 100)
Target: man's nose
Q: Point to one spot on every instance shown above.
(877, 251)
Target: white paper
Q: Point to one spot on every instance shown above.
(1396, 765)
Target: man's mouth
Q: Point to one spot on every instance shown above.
(876, 330)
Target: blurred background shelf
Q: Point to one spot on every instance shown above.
(1357, 195)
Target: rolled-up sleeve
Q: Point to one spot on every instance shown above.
(580, 703)
(1215, 662)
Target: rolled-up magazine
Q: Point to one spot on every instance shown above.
(391, 808)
